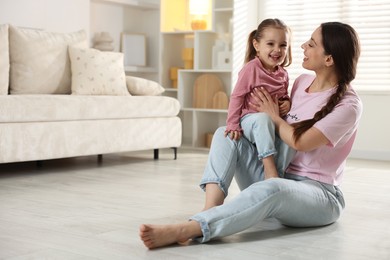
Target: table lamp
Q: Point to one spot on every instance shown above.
(198, 11)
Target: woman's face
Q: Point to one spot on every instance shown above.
(314, 53)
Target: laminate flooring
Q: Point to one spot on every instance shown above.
(78, 208)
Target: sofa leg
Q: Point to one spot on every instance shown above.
(39, 164)
(174, 153)
(155, 152)
(100, 158)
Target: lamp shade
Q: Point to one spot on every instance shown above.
(199, 7)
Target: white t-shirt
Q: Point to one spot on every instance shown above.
(326, 163)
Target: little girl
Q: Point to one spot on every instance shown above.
(268, 52)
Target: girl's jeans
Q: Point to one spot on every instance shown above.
(293, 200)
(259, 129)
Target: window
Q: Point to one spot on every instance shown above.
(371, 20)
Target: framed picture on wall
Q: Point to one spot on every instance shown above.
(133, 47)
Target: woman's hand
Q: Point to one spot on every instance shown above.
(265, 103)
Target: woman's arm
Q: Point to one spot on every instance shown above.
(310, 140)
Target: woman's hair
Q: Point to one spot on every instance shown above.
(342, 43)
(258, 34)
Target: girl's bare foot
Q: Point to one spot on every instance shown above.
(155, 236)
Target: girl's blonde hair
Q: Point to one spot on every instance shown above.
(251, 52)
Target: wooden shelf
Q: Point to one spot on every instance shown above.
(176, 34)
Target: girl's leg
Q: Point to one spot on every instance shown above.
(259, 129)
(270, 170)
(284, 156)
(296, 203)
(245, 168)
(214, 196)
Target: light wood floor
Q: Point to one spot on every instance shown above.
(79, 209)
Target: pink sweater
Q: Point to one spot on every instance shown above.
(254, 75)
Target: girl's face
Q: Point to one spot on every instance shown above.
(314, 54)
(272, 47)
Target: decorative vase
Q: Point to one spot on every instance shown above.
(103, 42)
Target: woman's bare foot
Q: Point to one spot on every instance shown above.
(155, 236)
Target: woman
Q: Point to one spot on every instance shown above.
(321, 126)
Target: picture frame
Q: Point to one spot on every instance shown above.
(133, 47)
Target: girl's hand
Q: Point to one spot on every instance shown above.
(265, 103)
(234, 135)
(284, 107)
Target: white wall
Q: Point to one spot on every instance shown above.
(50, 15)
(245, 20)
(373, 138)
(106, 17)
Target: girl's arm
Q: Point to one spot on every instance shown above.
(284, 106)
(310, 140)
(242, 88)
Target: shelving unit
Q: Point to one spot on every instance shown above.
(130, 16)
(176, 34)
(167, 27)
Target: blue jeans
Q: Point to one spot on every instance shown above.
(293, 200)
(259, 129)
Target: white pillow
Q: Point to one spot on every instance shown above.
(4, 59)
(143, 87)
(96, 72)
(40, 61)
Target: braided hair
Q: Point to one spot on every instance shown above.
(251, 52)
(341, 41)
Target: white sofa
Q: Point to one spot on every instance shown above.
(60, 99)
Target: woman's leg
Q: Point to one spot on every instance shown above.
(304, 203)
(225, 157)
(259, 129)
(154, 236)
(296, 203)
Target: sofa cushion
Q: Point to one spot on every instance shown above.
(143, 87)
(40, 62)
(96, 72)
(4, 59)
(46, 108)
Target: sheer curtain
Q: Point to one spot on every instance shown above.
(370, 18)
